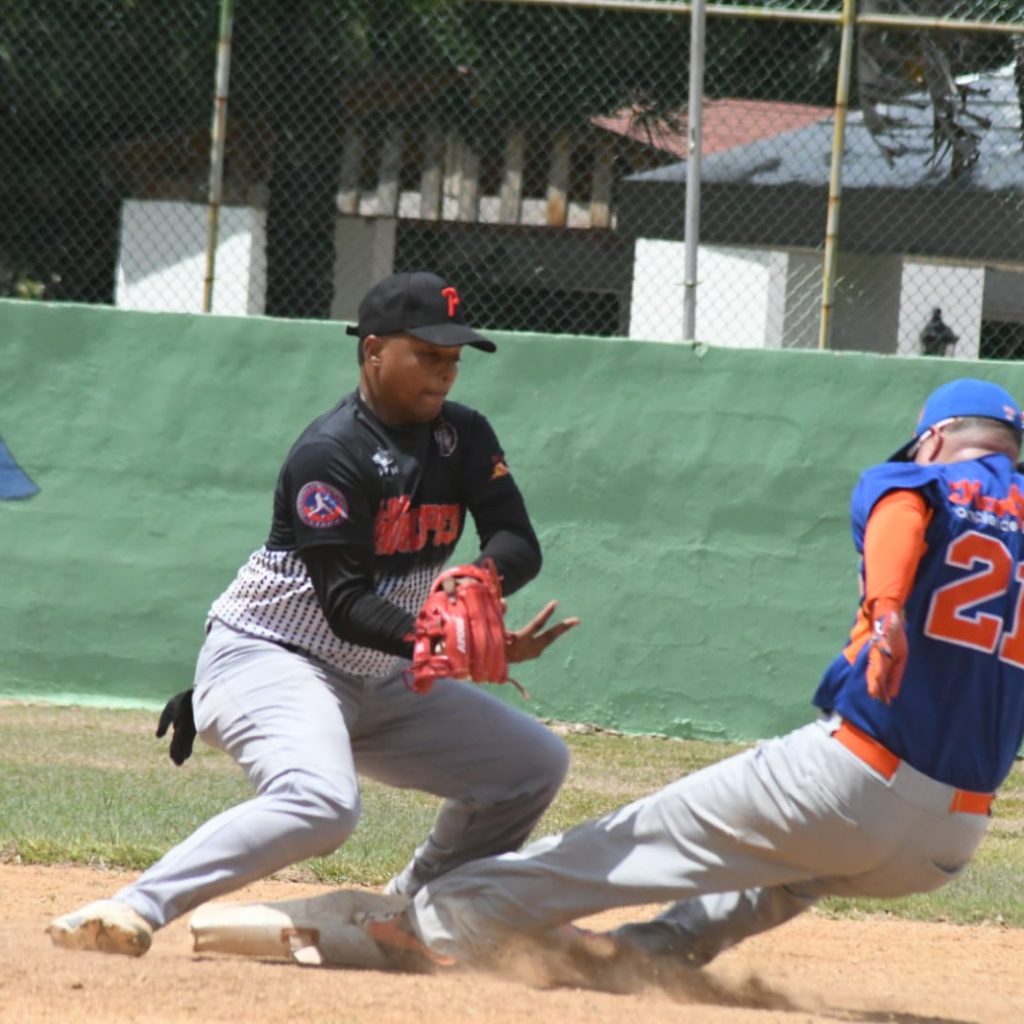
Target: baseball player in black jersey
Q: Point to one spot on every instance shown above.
(301, 679)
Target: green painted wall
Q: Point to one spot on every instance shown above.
(692, 503)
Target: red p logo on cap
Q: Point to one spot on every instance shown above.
(453, 299)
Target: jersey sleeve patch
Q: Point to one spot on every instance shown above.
(321, 506)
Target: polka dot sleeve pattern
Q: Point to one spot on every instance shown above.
(272, 597)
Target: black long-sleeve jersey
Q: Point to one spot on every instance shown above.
(365, 517)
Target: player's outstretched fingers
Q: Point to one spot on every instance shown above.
(530, 642)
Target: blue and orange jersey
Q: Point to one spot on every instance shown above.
(959, 715)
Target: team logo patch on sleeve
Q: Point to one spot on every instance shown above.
(500, 467)
(321, 506)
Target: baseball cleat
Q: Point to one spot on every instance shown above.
(106, 926)
(600, 945)
(403, 948)
(660, 939)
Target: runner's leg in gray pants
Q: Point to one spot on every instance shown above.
(743, 845)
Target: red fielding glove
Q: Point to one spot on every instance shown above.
(887, 655)
(460, 630)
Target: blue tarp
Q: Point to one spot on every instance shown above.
(14, 482)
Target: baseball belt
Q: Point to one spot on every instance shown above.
(885, 762)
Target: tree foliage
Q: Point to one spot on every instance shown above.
(903, 74)
(80, 79)
(75, 80)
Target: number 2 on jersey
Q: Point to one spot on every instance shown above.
(949, 616)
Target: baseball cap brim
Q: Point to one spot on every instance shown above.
(452, 334)
(446, 335)
(904, 453)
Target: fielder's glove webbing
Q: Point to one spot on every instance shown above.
(460, 630)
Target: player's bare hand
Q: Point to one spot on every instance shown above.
(533, 639)
(887, 657)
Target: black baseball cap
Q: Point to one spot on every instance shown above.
(417, 303)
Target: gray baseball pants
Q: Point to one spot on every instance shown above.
(301, 731)
(742, 846)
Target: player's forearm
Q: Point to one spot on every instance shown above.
(507, 536)
(516, 557)
(354, 612)
(372, 621)
(893, 546)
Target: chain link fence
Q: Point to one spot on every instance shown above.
(535, 153)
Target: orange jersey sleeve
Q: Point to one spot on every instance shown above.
(893, 546)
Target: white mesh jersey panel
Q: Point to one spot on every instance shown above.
(272, 597)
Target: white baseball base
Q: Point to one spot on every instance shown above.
(313, 932)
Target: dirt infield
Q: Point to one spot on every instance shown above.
(813, 969)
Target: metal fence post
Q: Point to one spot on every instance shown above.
(694, 117)
(218, 134)
(835, 180)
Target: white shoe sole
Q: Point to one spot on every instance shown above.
(102, 927)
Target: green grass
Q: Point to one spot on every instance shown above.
(95, 787)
